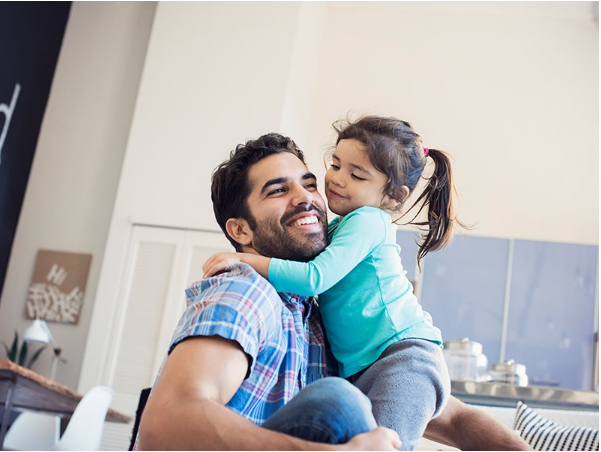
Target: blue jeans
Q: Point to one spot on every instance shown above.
(330, 410)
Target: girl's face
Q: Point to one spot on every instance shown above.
(352, 181)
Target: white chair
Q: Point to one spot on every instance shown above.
(84, 431)
(33, 431)
(39, 431)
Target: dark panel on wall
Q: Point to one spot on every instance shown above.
(31, 34)
(552, 312)
(550, 316)
(464, 290)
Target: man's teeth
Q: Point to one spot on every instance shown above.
(305, 220)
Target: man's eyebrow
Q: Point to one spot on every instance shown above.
(283, 180)
(270, 182)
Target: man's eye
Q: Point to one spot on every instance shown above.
(276, 191)
(336, 167)
(311, 186)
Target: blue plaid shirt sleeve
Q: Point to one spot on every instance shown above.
(241, 306)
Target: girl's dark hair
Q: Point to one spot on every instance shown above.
(397, 151)
(229, 183)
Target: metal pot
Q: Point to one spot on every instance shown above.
(465, 360)
(508, 372)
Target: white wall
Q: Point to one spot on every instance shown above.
(74, 176)
(216, 73)
(510, 89)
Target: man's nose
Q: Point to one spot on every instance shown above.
(300, 195)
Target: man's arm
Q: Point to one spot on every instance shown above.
(467, 428)
(186, 410)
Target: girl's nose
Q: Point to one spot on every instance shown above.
(338, 179)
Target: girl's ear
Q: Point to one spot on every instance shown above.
(393, 203)
(404, 193)
(389, 203)
(239, 230)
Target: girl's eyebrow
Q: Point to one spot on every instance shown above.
(359, 167)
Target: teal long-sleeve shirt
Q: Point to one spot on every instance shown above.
(366, 301)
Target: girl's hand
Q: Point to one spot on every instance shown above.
(219, 262)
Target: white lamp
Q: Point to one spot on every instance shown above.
(39, 332)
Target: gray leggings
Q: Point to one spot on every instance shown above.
(408, 386)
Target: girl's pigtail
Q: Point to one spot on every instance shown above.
(438, 197)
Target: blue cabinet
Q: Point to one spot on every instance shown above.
(551, 317)
(547, 302)
(463, 288)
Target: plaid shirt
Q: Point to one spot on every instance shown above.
(282, 333)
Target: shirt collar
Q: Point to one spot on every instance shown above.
(304, 303)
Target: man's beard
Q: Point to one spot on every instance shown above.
(271, 238)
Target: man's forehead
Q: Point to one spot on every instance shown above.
(277, 166)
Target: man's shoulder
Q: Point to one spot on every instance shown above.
(239, 284)
(237, 305)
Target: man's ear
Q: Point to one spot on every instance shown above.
(239, 230)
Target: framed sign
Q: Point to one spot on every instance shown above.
(58, 286)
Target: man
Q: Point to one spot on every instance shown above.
(246, 366)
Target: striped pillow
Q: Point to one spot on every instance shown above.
(542, 434)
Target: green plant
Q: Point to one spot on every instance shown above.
(18, 353)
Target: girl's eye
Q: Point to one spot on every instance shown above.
(357, 177)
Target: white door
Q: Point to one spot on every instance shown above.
(161, 263)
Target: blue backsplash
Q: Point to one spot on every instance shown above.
(551, 301)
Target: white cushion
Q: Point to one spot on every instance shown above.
(544, 434)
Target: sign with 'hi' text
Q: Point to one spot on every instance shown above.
(58, 286)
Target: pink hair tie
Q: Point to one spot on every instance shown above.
(426, 151)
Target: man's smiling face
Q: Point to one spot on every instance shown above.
(288, 211)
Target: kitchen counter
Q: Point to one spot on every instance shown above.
(504, 394)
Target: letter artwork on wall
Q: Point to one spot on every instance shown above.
(58, 285)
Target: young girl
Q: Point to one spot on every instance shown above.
(385, 343)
